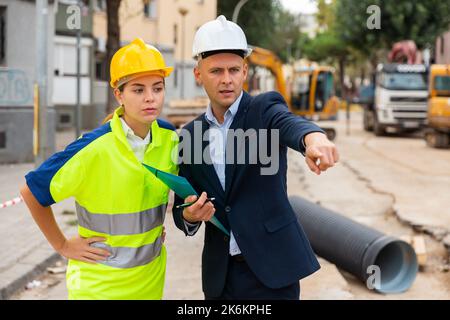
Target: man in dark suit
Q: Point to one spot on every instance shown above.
(237, 153)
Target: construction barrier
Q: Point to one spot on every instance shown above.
(11, 202)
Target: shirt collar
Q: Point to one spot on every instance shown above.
(117, 129)
(130, 133)
(209, 115)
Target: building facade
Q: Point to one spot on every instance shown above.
(162, 24)
(64, 63)
(169, 25)
(17, 76)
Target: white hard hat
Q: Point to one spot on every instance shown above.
(218, 35)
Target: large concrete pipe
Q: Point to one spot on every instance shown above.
(356, 248)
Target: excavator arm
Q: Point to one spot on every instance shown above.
(267, 59)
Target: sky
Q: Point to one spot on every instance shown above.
(300, 6)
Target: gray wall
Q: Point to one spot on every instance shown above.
(17, 123)
(16, 114)
(21, 38)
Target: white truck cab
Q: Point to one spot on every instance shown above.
(400, 99)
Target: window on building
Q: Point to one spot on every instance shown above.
(442, 45)
(150, 9)
(65, 118)
(175, 34)
(101, 69)
(2, 35)
(2, 140)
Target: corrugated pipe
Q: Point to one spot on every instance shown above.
(358, 249)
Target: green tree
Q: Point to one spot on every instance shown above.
(256, 18)
(420, 21)
(286, 38)
(266, 24)
(328, 48)
(325, 15)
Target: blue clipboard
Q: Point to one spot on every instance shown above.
(182, 188)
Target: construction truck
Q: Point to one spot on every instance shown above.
(437, 135)
(310, 93)
(399, 100)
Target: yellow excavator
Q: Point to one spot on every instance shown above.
(437, 135)
(310, 93)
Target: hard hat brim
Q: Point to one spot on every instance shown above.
(203, 55)
(165, 72)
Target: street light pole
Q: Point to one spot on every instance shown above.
(78, 106)
(183, 13)
(236, 10)
(43, 148)
(289, 49)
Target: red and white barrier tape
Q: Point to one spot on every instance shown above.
(10, 203)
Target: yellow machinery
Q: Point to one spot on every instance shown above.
(438, 132)
(267, 59)
(310, 93)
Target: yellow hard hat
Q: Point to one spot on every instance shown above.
(134, 59)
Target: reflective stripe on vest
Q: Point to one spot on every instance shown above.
(119, 201)
(121, 224)
(125, 257)
(125, 224)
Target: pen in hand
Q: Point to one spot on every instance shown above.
(187, 204)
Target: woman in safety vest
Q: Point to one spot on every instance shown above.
(119, 252)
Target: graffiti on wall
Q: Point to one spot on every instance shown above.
(15, 88)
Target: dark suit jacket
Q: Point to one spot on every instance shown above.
(254, 206)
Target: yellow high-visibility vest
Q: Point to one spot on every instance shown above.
(118, 199)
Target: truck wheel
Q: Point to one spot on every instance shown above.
(378, 128)
(367, 120)
(436, 139)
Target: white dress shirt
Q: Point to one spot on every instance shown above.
(217, 144)
(138, 145)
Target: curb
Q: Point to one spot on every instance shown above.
(13, 285)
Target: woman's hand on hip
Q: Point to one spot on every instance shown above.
(78, 248)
